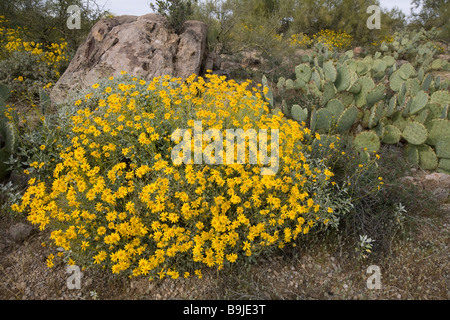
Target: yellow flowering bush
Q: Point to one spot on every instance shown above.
(383, 39)
(300, 39)
(331, 39)
(116, 199)
(27, 66)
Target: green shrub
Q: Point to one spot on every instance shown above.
(176, 11)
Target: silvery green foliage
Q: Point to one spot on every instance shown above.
(364, 246)
(35, 72)
(9, 194)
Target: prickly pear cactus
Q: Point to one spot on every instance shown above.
(427, 157)
(441, 97)
(323, 121)
(335, 107)
(343, 78)
(303, 72)
(437, 128)
(419, 102)
(443, 147)
(415, 133)
(299, 114)
(376, 95)
(367, 141)
(444, 165)
(391, 135)
(412, 154)
(268, 95)
(347, 119)
(329, 71)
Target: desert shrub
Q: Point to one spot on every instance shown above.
(333, 40)
(115, 197)
(176, 11)
(385, 208)
(27, 66)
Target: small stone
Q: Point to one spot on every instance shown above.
(20, 231)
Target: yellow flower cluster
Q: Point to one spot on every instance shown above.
(333, 39)
(300, 39)
(116, 199)
(386, 39)
(330, 38)
(11, 41)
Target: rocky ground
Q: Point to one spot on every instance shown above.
(416, 268)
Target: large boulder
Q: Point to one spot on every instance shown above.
(143, 46)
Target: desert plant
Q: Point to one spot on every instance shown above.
(176, 11)
(143, 214)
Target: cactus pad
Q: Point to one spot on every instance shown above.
(298, 113)
(346, 98)
(285, 109)
(289, 84)
(415, 133)
(436, 64)
(323, 120)
(281, 83)
(398, 120)
(367, 141)
(427, 82)
(343, 78)
(441, 97)
(315, 77)
(444, 164)
(390, 61)
(355, 87)
(436, 110)
(347, 119)
(396, 81)
(406, 71)
(391, 134)
(376, 113)
(313, 89)
(420, 75)
(376, 94)
(379, 66)
(427, 158)
(391, 108)
(362, 67)
(335, 107)
(329, 71)
(367, 84)
(422, 116)
(443, 147)
(303, 72)
(329, 92)
(437, 128)
(412, 154)
(419, 102)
